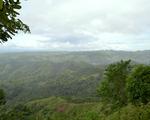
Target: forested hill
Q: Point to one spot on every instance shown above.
(33, 75)
(91, 57)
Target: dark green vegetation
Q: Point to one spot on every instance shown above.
(139, 80)
(113, 88)
(125, 83)
(2, 97)
(9, 22)
(30, 80)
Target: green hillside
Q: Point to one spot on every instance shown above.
(56, 108)
(43, 74)
(43, 79)
(75, 86)
(59, 109)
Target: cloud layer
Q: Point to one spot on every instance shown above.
(85, 25)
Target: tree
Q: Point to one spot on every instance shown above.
(112, 88)
(9, 23)
(138, 85)
(2, 97)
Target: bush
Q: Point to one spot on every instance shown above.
(132, 112)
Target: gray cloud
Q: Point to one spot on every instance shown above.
(85, 24)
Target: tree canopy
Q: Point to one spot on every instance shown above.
(112, 88)
(138, 85)
(9, 22)
(124, 83)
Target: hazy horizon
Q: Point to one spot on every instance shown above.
(61, 51)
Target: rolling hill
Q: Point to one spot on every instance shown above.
(43, 74)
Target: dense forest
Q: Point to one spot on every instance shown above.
(100, 85)
(58, 73)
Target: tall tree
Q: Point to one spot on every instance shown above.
(9, 22)
(112, 88)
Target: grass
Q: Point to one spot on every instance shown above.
(55, 108)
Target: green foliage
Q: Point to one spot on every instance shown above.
(1, 4)
(131, 112)
(9, 23)
(55, 108)
(2, 97)
(112, 88)
(138, 85)
(19, 112)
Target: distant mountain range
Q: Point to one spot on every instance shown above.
(91, 57)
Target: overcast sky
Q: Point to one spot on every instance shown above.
(84, 25)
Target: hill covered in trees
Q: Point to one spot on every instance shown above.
(91, 57)
(124, 95)
(66, 74)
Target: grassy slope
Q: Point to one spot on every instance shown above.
(56, 108)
